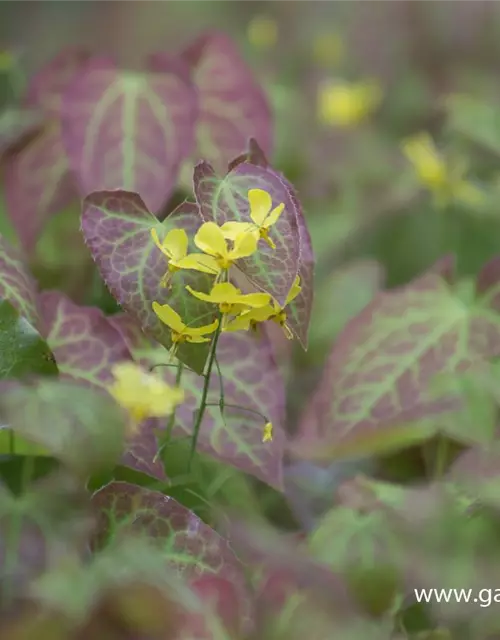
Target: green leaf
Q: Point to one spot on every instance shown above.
(23, 352)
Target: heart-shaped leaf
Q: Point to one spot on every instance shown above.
(233, 107)
(127, 130)
(375, 390)
(23, 352)
(16, 283)
(117, 228)
(38, 183)
(188, 544)
(67, 419)
(251, 382)
(226, 199)
(85, 344)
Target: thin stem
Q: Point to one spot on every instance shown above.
(222, 403)
(203, 403)
(237, 406)
(166, 364)
(171, 421)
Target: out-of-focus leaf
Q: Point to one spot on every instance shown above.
(476, 120)
(78, 424)
(141, 451)
(250, 380)
(38, 183)
(85, 344)
(16, 283)
(226, 199)
(48, 524)
(117, 228)
(233, 107)
(378, 373)
(23, 352)
(126, 130)
(17, 124)
(186, 543)
(341, 297)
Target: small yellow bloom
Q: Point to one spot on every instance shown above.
(180, 331)
(267, 435)
(219, 256)
(262, 32)
(143, 394)
(347, 104)
(273, 311)
(262, 214)
(327, 48)
(230, 299)
(447, 183)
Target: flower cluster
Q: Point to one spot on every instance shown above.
(221, 247)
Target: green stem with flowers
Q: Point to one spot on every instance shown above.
(204, 395)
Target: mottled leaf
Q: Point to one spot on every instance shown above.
(188, 545)
(67, 419)
(38, 183)
(226, 199)
(233, 107)
(16, 284)
(23, 352)
(252, 381)
(378, 374)
(141, 452)
(84, 343)
(127, 130)
(117, 228)
(16, 125)
(298, 311)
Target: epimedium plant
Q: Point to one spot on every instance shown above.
(107, 418)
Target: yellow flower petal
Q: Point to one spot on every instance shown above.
(267, 435)
(206, 297)
(260, 205)
(255, 299)
(176, 243)
(199, 331)
(294, 291)
(240, 323)
(161, 247)
(429, 165)
(272, 218)
(245, 245)
(233, 229)
(197, 339)
(199, 262)
(169, 317)
(210, 239)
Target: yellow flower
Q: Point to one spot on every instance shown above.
(262, 32)
(346, 104)
(262, 214)
(327, 48)
(267, 435)
(218, 255)
(180, 331)
(273, 311)
(230, 299)
(143, 394)
(447, 183)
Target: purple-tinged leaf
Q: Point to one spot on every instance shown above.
(38, 181)
(141, 452)
(84, 343)
(117, 229)
(226, 199)
(16, 125)
(67, 420)
(16, 284)
(126, 130)
(250, 380)
(187, 544)
(376, 388)
(233, 107)
(299, 311)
